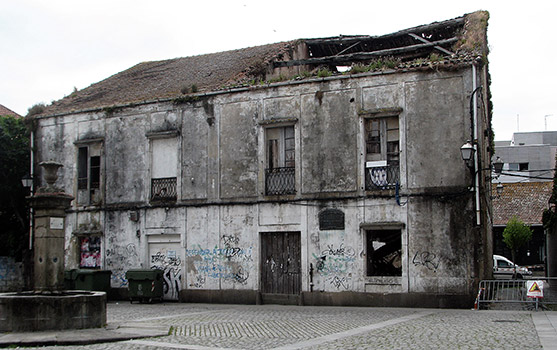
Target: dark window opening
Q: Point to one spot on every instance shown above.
(518, 166)
(89, 174)
(384, 252)
(82, 158)
(95, 168)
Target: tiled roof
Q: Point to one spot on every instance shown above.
(7, 111)
(433, 46)
(149, 81)
(526, 200)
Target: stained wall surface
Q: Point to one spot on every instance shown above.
(208, 239)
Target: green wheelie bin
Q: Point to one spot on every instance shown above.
(145, 285)
(92, 280)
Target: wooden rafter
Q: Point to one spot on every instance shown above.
(362, 56)
(423, 40)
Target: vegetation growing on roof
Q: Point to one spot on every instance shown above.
(324, 72)
(36, 109)
(474, 34)
(185, 99)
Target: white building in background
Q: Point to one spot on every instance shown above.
(528, 157)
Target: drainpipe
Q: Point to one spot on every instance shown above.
(475, 143)
(32, 190)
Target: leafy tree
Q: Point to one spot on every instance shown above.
(515, 235)
(14, 164)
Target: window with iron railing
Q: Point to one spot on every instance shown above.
(382, 153)
(163, 189)
(280, 181)
(281, 164)
(164, 160)
(381, 176)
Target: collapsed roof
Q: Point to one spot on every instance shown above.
(444, 43)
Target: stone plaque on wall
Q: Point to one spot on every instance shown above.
(331, 219)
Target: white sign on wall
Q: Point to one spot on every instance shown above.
(56, 223)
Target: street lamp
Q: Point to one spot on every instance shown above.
(498, 165)
(27, 181)
(499, 189)
(467, 152)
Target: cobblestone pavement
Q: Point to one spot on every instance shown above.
(204, 327)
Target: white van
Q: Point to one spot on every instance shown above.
(503, 268)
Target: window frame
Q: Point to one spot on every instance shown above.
(168, 187)
(381, 235)
(281, 180)
(382, 171)
(89, 186)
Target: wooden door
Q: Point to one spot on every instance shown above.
(281, 263)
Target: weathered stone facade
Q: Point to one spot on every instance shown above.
(185, 186)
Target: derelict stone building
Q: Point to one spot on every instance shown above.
(317, 171)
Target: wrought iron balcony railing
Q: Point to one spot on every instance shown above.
(279, 181)
(382, 177)
(163, 189)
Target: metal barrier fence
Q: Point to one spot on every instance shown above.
(515, 292)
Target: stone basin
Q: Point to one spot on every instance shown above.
(41, 311)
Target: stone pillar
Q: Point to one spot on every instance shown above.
(49, 206)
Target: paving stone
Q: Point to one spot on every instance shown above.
(205, 327)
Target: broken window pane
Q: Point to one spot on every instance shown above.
(384, 253)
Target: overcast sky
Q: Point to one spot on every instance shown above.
(51, 47)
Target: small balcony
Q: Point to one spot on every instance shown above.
(280, 181)
(382, 176)
(163, 189)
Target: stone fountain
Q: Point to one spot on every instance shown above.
(48, 306)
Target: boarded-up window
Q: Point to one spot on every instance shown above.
(164, 164)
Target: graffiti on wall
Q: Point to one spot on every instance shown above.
(427, 259)
(230, 263)
(171, 265)
(335, 264)
(118, 259)
(11, 277)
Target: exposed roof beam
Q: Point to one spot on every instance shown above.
(348, 48)
(361, 56)
(452, 23)
(419, 38)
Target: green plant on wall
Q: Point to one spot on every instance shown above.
(515, 235)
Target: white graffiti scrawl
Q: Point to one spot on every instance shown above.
(172, 275)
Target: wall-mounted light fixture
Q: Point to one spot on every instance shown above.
(498, 190)
(467, 152)
(27, 181)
